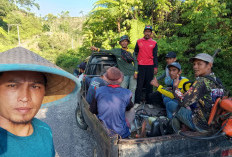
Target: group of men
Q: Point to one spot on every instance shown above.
(191, 106)
(28, 80)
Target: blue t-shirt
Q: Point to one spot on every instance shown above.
(38, 144)
(95, 83)
(111, 106)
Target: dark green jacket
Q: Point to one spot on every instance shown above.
(127, 69)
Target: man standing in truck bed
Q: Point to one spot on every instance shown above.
(126, 63)
(146, 54)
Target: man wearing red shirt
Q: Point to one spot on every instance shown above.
(146, 54)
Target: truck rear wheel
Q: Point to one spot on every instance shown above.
(79, 118)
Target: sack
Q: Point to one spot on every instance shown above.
(126, 56)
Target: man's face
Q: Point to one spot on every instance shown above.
(21, 95)
(170, 60)
(147, 34)
(173, 72)
(201, 68)
(124, 43)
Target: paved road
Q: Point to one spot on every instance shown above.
(69, 140)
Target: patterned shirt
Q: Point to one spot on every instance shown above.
(202, 95)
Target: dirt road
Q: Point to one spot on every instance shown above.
(69, 140)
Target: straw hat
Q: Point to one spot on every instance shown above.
(61, 85)
(113, 76)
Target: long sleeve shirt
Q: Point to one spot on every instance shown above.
(168, 93)
(167, 79)
(126, 68)
(146, 52)
(203, 94)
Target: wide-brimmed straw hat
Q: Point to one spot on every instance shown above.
(61, 85)
(113, 76)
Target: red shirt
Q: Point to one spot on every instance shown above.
(147, 52)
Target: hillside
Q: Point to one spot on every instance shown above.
(186, 27)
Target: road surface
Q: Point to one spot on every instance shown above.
(69, 140)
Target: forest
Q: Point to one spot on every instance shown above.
(187, 27)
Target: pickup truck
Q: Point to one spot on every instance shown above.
(173, 145)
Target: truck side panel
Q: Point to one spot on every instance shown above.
(107, 144)
(172, 146)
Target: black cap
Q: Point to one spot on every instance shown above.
(148, 27)
(82, 65)
(171, 55)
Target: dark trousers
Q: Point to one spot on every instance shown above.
(156, 99)
(145, 75)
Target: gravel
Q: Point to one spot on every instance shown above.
(69, 140)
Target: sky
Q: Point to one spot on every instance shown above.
(57, 6)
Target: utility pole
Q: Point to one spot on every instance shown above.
(17, 25)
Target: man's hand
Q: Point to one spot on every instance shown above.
(135, 75)
(176, 81)
(93, 48)
(154, 82)
(155, 71)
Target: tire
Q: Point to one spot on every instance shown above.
(79, 119)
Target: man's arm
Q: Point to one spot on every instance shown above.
(155, 59)
(135, 55)
(93, 48)
(130, 105)
(136, 50)
(93, 105)
(193, 95)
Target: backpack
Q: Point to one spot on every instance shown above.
(160, 127)
(126, 56)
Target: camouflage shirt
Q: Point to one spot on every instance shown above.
(201, 96)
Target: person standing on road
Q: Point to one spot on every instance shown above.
(27, 81)
(146, 54)
(126, 63)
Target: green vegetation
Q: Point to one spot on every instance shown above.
(186, 27)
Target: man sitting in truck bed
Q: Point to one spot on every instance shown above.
(94, 84)
(203, 93)
(170, 103)
(111, 102)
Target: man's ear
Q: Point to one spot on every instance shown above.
(174, 59)
(180, 72)
(211, 65)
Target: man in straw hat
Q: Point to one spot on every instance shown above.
(197, 102)
(27, 81)
(111, 102)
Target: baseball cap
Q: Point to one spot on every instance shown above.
(202, 56)
(82, 65)
(171, 55)
(175, 64)
(124, 37)
(148, 27)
